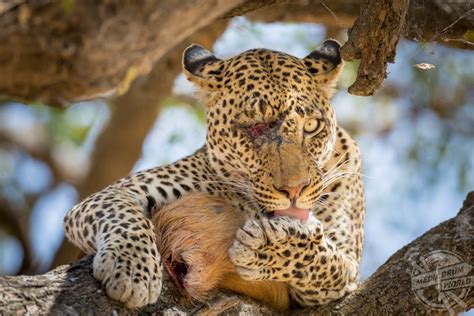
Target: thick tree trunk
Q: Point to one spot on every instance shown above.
(63, 51)
(436, 268)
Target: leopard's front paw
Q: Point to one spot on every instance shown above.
(274, 248)
(130, 270)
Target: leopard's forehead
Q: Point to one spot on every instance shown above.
(264, 58)
(262, 82)
(263, 66)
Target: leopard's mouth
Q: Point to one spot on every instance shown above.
(293, 211)
(298, 213)
(269, 214)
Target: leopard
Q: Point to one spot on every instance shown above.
(275, 152)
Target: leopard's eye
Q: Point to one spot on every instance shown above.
(312, 126)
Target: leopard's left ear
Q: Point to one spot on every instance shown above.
(201, 67)
(325, 62)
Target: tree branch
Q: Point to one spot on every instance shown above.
(71, 289)
(373, 39)
(58, 53)
(379, 24)
(64, 51)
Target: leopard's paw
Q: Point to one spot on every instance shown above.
(266, 248)
(130, 271)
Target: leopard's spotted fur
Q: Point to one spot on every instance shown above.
(272, 143)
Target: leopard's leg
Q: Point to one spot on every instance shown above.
(114, 225)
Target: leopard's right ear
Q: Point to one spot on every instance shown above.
(325, 63)
(201, 67)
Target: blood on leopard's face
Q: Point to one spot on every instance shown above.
(269, 146)
(257, 130)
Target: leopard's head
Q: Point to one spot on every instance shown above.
(270, 125)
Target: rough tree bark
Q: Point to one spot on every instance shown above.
(72, 290)
(59, 53)
(373, 39)
(374, 35)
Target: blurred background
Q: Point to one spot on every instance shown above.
(416, 136)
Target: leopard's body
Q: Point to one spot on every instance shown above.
(273, 147)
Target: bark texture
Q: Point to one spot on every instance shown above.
(373, 39)
(376, 27)
(63, 51)
(71, 289)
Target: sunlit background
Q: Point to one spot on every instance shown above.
(416, 136)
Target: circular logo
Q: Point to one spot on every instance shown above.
(441, 280)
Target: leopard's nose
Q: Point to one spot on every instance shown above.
(293, 192)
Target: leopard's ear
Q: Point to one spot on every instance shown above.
(201, 67)
(325, 62)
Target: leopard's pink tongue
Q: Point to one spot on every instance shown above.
(299, 213)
